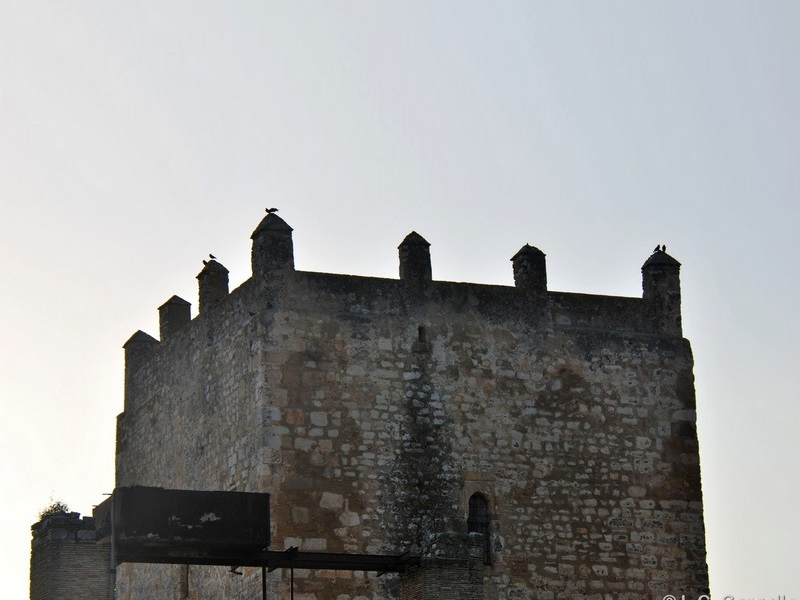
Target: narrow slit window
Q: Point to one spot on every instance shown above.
(478, 522)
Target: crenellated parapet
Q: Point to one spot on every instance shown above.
(415, 262)
(273, 251)
(661, 290)
(272, 259)
(212, 284)
(173, 315)
(139, 349)
(530, 269)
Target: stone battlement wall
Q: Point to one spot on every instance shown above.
(65, 560)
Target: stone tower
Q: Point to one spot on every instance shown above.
(66, 563)
(522, 442)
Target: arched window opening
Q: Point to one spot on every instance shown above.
(478, 522)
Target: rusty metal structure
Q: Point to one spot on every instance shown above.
(187, 527)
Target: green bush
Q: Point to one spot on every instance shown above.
(56, 507)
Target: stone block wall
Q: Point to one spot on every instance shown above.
(372, 411)
(66, 563)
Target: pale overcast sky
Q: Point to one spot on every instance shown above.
(137, 137)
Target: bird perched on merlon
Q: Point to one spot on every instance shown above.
(271, 210)
(212, 257)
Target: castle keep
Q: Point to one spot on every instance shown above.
(524, 443)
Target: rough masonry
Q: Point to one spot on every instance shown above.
(526, 443)
(66, 561)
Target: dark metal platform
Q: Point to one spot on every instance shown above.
(187, 527)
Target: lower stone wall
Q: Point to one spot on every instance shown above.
(66, 561)
(444, 579)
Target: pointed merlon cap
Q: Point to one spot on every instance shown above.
(660, 258)
(530, 269)
(414, 239)
(271, 222)
(140, 338)
(172, 315)
(415, 261)
(528, 250)
(273, 250)
(174, 301)
(210, 267)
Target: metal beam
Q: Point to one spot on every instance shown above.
(270, 559)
